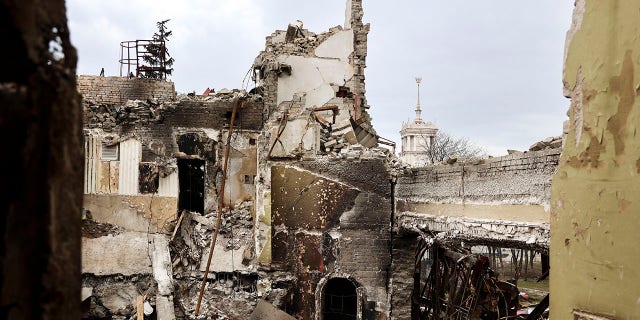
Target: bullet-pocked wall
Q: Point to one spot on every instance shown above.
(594, 223)
(331, 219)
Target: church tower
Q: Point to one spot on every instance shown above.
(417, 137)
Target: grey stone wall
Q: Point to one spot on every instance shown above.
(523, 178)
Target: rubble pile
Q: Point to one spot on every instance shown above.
(297, 40)
(238, 218)
(92, 229)
(335, 139)
(115, 297)
(196, 231)
(548, 143)
(108, 116)
(226, 296)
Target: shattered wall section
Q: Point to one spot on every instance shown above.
(594, 222)
(185, 129)
(331, 218)
(316, 80)
(146, 161)
(117, 90)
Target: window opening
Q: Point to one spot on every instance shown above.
(191, 182)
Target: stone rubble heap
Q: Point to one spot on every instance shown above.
(548, 143)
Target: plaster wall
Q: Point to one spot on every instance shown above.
(299, 135)
(594, 223)
(126, 253)
(242, 168)
(313, 77)
(338, 46)
(142, 213)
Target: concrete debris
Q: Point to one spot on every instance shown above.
(226, 297)
(86, 293)
(161, 262)
(92, 229)
(548, 143)
(115, 297)
(534, 236)
(148, 309)
(266, 311)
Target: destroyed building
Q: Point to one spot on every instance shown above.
(307, 202)
(318, 218)
(323, 222)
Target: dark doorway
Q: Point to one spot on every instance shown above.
(191, 179)
(340, 300)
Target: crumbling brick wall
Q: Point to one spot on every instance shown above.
(521, 178)
(159, 125)
(117, 90)
(358, 58)
(332, 219)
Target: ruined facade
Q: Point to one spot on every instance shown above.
(307, 205)
(318, 220)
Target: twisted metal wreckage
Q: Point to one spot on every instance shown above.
(450, 282)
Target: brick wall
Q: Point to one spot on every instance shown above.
(333, 220)
(523, 178)
(117, 90)
(403, 266)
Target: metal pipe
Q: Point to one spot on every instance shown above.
(220, 205)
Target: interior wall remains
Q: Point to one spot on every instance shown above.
(594, 252)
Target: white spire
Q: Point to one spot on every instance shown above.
(418, 111)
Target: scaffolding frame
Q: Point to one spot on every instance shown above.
(132, 54)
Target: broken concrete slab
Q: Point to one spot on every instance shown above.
(119, 299)
(223, 260)
(86, 293)
(126, 253)
(266, 311)
(165, 308)
(162, 272)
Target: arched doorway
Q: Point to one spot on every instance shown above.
(340, 300)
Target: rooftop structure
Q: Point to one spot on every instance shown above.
(417, 137)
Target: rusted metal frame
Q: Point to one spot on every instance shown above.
(417, 268)
(335, 110)
(220, 204)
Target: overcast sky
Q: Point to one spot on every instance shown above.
(491, 69)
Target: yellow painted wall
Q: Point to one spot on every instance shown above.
(595, 220)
